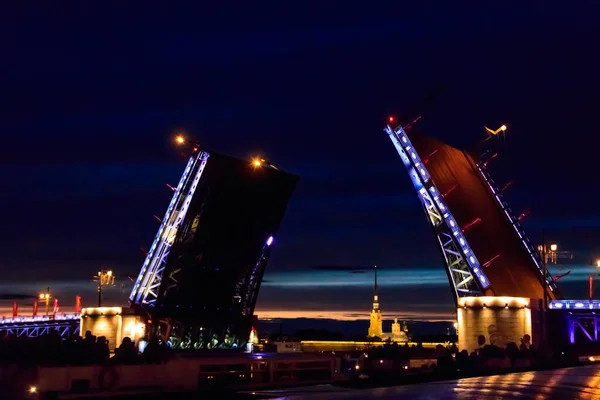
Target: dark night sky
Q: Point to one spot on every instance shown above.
(90, 95)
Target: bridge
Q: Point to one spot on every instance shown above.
(499, 280)
(195, 293)
(65, 324)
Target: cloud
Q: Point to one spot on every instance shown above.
(339, 277)
(353, 269)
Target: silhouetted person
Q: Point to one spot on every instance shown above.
(154, 352)
(525, 343)
(126, 353)
(101, 351)
(512, 352)
(453, 349)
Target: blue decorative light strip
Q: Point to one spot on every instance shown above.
(162, 227)
(514, 221)
(168, 228)
(574, 304)
(422, 179)
(40, 318)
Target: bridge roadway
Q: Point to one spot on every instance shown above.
(577, 383)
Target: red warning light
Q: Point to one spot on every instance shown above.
(391, 119)
(195, 149)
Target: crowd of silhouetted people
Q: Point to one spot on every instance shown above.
(392, 358)
(53, 350)
(487, 356)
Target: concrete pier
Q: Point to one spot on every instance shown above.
(500, 319)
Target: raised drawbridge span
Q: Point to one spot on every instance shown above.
(485, 250)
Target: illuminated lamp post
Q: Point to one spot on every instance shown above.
(257, 162)
(549, 253)
(104, 278)
(181, 140)
(491, 132)
(46, 297)
(261, 162)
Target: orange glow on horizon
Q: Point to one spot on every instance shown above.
(353, 315)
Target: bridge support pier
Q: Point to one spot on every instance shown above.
(114, 323)
(500, 319)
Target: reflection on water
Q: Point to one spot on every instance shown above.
(580, 383)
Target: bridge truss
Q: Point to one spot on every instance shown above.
(462, 267)
(582, 317)
(145, 289)
(66, 325)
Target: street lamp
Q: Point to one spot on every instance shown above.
(46, 297)
(491, 132)
(551, 254)
(261, 162)
(182, 140)
(105, 278)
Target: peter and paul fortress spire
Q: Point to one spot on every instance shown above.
(375, 324)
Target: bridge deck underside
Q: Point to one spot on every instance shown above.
(512, 271)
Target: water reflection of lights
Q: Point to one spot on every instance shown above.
(582, 383)
(548, 385)
(571, 382)
(591, 392)
(499, 386)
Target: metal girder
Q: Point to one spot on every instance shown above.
(34, 329)
(462, 267)
(247, 287)
(587, 323)
(145, 290)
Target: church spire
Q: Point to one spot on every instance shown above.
(375, 325)
(375, 296)
(375, 289)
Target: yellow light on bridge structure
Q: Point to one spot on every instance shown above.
(503, 128)
(257, 162)
(180, 139)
